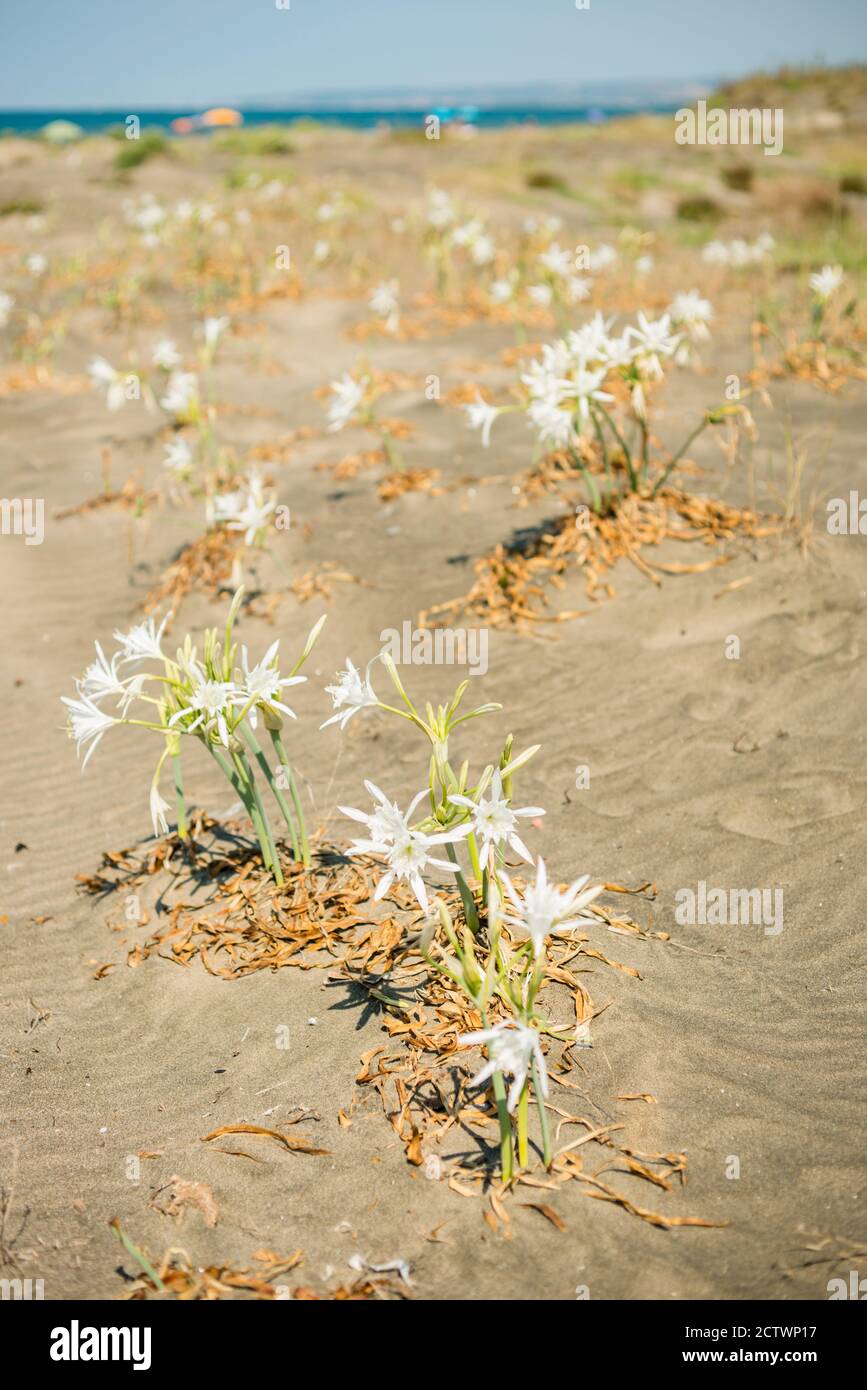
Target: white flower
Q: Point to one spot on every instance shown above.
(165, 354)
(101, 679)
(483, 249)
(577, 289)
(179, 456)
(211, 702)
(557, 260)
(158, 811)
(693, 312)
(142, 642)
(386, 822)
(502, 291)
(36, 264)
(347, 395)
(512, 1048)
(644, 265)
(253, 515)
(826, 281)
(495, 821)
(406, 850)
(586, 386)
(87, 723)
(540, 295)
(602, 257)
(544, 910)
(321, 251)
(350, 694)
(653, 339)
(104, 375)
(212, 331)
(383, 301)
(552, 422)
(182, 392)
(263, 681)
(481, 415)
(716, 253)
(440, 211)
(7, 303)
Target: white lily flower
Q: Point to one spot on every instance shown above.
(502, 291)
(179, 456)
(321, 251)
(105, 376)
(36, 264)
(540, 295)
(265, 682)
(825, 281)
(694, 312)
(351, 694)
(602, 257)
(557, 260)
(481, 415)
(653, 339)
(142, 642)
(552, 422)
(406, 851)
(101, 679)
(7, 303)
(249, 512)
(440, 211)
(182, 393)
(211, 702)
(512, 1048)
(544, 911)
(386, 822)
(347, 395)
(166, 355)
(158, 811)
(383, 301)
(578, 289)
(87, 724)
(495, 822)
(213, 329)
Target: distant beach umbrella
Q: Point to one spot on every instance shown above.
(183, 125)
(222, 115)
(61, 132)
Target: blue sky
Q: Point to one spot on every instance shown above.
(190, 53)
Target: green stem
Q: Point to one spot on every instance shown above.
(474, 857)
(179, 796)
(293, 792)
(263, 815)
(679, 455)
(253, 745)
(522, 1126)
(240, 785)
(466, 896)
(633, 480)
(543, 1117)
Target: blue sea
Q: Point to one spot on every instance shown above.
(358, 118)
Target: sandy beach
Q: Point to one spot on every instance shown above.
(734, 1049)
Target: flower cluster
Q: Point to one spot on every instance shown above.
(500, 957)
(216, 698)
